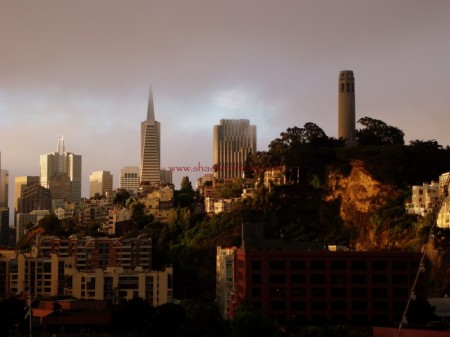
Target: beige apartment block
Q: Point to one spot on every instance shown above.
(115, 283)
(39, 276)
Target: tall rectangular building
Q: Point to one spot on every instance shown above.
(20, 183)
(100, 183)
(233, 140)
(61, 173)
(4, 208)
(150, 147)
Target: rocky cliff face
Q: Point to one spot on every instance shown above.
(360, 195)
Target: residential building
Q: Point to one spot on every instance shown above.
(38, 276)
(116, 283)
(60, 172)
(275, 176)
(346, 106)
(150, 147)
(100, 183)
(115, 217)
(91, 253)
(233, 140)
(94, 211)
(224, 205)
(224, 278)
(424, 199)
(130, 178)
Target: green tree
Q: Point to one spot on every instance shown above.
(186, 185)
(427, 144)
(51, 225)
(378, 133)
(248, 321)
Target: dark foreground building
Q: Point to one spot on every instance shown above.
(301, 283)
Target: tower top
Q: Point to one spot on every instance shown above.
(346, 74)
(61, 148)
(150, 109)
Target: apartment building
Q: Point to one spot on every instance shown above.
(115, 283)
(38, 276)
(90, 253)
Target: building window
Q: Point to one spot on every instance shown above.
(277, 278)
(318, 265)
(359, 266)
(277, 265)
(298, 278)
(256, 265)
(298, 265)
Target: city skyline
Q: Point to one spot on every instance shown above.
(87, 76)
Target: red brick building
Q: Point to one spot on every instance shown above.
(291, 281)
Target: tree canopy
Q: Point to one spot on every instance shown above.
(378, 133)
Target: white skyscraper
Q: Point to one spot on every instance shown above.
(150, 147)
(130, 178)
(60, 172)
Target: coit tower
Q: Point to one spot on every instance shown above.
(346, 115)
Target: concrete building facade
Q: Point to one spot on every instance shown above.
(130, 178)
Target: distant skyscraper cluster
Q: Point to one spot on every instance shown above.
(60, 177)
(233, 141)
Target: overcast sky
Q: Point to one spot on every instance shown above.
(83, 68)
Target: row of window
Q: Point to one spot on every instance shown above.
(334, 265)
(399, 279)
(315, 292)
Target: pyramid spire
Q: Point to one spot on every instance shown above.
(150, 109)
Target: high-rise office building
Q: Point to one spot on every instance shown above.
(346, 113)
(100, 183)
(166, 176)
(233, 140)
(20, 183)
(60, 172)
(4, 208)
(150, 147)
(4, 187)
(130, 178)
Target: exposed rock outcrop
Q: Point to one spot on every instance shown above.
(360, 195)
